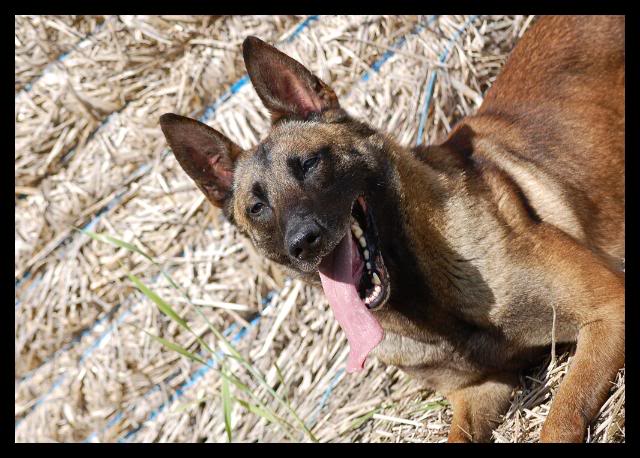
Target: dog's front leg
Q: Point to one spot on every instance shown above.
(477, 408)
(599, 355)
(591, 297)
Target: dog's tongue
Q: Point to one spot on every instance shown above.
(339, 272)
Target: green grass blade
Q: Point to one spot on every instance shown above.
(227, 405)
(131, 247)
(275, 395)
(177, 348)
(266, 414)
(114, 241)
(166, 308)
(244, 388)
(431, 405)
(280, 376)
(283, 384)
(162, 305)
(363, 419)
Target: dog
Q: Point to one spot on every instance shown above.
(459, 263)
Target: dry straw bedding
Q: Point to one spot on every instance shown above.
(89, 91)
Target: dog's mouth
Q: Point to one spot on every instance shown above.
(355, 281)
(373, 284)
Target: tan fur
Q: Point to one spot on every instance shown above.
(517, 216)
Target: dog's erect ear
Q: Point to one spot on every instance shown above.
(284, 85)
(205, 154)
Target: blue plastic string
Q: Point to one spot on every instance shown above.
(63, 377)
(398, 44)
(61, 58)
(432, 79)
(325, 396)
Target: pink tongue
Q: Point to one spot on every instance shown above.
(339, 283)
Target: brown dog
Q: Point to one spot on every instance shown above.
(450, 261)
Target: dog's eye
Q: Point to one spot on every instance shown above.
(310, 163)
(256, 209)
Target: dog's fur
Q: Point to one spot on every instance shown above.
(516, 218)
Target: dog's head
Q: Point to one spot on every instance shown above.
(304, 194)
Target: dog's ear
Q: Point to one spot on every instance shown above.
(205, 154)
(284, 85)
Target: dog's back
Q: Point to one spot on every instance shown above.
(555, 123)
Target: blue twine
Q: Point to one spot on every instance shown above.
(87, 351)
(398, 43)
(69, 154)
(325, 396)
(431, 84)
(211, 109)
(27, 376)
(89, 226)
(266, 302)
(19, 283)
(303, 25)
(61, 58)
(235, 87)
(62, 377)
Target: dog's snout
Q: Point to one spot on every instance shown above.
(304, 241)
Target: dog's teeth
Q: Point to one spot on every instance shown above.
(373, 294)
(368, 266)
(366, 254)
(376, 279)
(357, 231)
(363, 242)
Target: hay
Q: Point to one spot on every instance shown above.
(89, 152)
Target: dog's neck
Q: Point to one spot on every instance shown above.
(434, 183)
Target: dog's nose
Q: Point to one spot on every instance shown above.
(303, 243)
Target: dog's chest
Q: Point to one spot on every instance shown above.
(434, 363)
